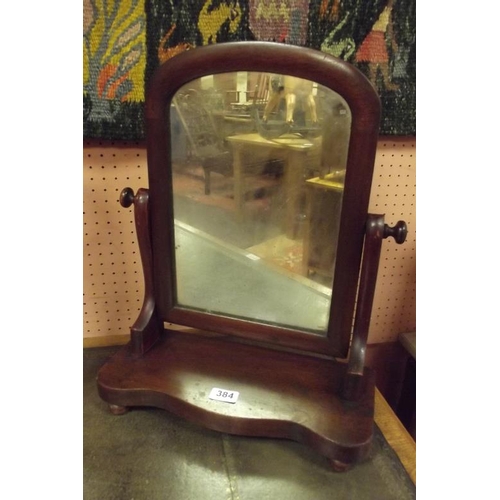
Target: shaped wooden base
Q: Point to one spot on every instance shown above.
(281, 394)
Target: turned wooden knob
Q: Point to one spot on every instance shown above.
(398, 232)
(127, 197)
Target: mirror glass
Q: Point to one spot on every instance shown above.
(258, 165)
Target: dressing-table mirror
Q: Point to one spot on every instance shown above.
(259, 255)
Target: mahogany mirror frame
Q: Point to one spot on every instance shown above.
(269, 57)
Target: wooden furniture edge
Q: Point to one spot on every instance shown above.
(397, 436)
(106, 341)
(393, 430)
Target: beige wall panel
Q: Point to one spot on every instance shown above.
(393, 194)
(113, 280)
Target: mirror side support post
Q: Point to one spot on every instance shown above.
(375, 232)
(147, 327)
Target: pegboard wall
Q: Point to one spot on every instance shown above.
(393, 194)
(113, 281)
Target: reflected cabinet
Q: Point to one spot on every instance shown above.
(259, 254)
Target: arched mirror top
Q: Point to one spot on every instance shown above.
(270, 57)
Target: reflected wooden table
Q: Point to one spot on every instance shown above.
(296, 152)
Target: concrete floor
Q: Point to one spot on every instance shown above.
(150, 454)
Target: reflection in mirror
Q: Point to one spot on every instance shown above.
(258, 163)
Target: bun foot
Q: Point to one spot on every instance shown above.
(339, 466)
(118, 410)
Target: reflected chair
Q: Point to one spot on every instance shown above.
(258, 97)
(207, 144)
(263, 92)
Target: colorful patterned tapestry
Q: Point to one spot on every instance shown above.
(124, 41)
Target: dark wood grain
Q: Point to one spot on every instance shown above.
(282, 395)
(309, 396)
(147, 328)
(364, 105)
